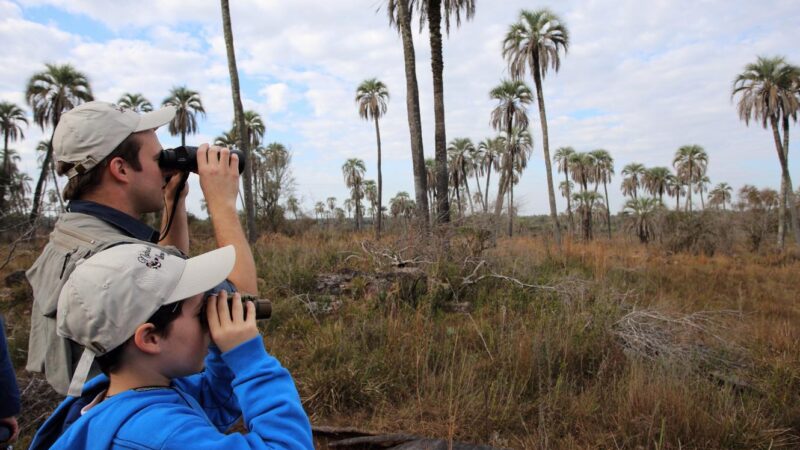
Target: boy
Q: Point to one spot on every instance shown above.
(141, 313)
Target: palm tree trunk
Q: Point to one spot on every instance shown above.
(782, 225)
(439, 139)
(5, 176)
(689, 198)
(469, 195)
(782, 157)
(414, 121)
(501, 193)
(608, 210)
(486, 191)
(678, 199)
(569, 202)
(511, 207)
(37, 193)
(546, 148)
(380, 180)
(241, 142)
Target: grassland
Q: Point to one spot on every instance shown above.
(609, 344)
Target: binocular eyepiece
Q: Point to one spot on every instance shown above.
(184, 159)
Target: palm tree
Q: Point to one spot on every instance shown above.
(226, 139)
(516, 158)
(42, 148)
(475, 166)
(434, 11)
(533, 45)
(641, 214)
(331, 202)
(19, 190)
(562, 162)
(400, 17)
(401, 205)
(371, 193)
(430, 174)
(50, 93)
(187, 105)
(586, 203)
(255, 128)
(293, 205)
(656, 181)
(720, 195)
(603, 170)
(372, 97)
(319, 209)
(513, 98)
(633, 174)
(492, 150)
(690, 163)
(701, 187)
(459, 151)
(11, 119)
(353, 171)
(767, 92)
(581, 167)
(675, 187)
(135, 102)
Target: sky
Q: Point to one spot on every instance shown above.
(640, 79)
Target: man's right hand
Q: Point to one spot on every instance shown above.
(219, 176)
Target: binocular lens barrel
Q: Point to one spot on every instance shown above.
(184, 159)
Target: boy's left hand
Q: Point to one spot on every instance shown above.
(230, 328)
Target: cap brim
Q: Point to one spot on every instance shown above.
(155, 119)
(203, 272)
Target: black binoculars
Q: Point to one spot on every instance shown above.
(184, 159)
(263, 307)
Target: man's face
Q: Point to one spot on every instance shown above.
(147, 186)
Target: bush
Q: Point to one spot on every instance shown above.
(706, 232)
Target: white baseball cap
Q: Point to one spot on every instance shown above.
(111, 293)
(89, 132)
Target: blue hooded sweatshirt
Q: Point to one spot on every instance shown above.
(194, 412)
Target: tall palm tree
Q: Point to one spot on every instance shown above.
(187, 105)
(459, 151)
(238, 113)
(399, 12)
(690, 163)
(675, 187)
(433, 11)
(226, 139)
(50, 93)
(641, 214)
(430, 174)
(603, 171)
(656, 181)
(633, 175)
(492, 150)
(701, 187)
(516, 158)
(371, 194)
(586, 204)
(353, 171)
(331, 202)
(475, 166)
(513, 98)
(135, 102)
(581, 167)
(255, 129)
(12, 117)
(319, 209)
(561, 157)
(720, 195)
(533, 45)
(767, 91)
(293, 205)
(372, 97)
(42, 148)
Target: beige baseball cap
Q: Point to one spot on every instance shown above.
(89, 132)
(111, 293)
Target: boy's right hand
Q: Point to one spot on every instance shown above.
(230, 328)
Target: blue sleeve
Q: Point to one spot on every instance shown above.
(9, 392)
(226, 285)
(270, 403)
(212, 390)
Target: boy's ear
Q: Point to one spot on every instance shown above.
(146, 339)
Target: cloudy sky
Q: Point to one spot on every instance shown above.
(640, 78)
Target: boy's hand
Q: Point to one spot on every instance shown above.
(230, 328)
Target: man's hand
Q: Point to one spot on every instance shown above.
(11, 423)
(219, 176)
(230, 328)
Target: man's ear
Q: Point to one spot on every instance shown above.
(147, 339)
(118, 168)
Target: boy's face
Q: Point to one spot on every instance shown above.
(186, 344)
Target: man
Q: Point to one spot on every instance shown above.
(143, 315)
(110, 155)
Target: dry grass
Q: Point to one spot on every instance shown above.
(537, 368)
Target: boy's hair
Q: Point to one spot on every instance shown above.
(82, 183)
(161, 320)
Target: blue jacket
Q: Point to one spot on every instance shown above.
(9, 392)
(194, 412)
